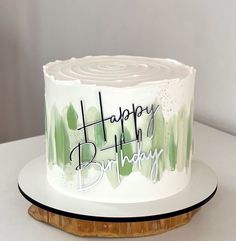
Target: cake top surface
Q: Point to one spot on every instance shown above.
(117, 71)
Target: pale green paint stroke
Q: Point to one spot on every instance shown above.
(172, 148)
(167, 131)
(127, 150)
(146, 144)
(102, 157)
(113, 173)
(50, 146)
(189, 137)
(182, 122)
(113, 176)
(86, 153)
(97, 135)
(49, 137)
(72, 117)
(158, 142)
(146, 147)
(62, 142)
(146, 165)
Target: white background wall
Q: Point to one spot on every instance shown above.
(199, 33)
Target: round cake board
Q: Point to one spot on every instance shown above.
(88, 218)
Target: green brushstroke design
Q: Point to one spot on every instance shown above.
(146, 165)
(182, 122)
(189, 137)
(112, 174)
(50, 147)
(149, 143)
(172, 149)
(158, 141)
(49, 156)
(97, 135)
(173, 136)
(158, 134)
(127, 150)
(86, 154)
(62, 142)
(72, 117)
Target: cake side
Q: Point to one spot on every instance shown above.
(127, 143)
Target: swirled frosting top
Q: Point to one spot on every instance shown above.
(117, 71)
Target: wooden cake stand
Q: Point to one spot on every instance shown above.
(93, 219)
(85, 228)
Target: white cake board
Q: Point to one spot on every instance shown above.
(33, 185)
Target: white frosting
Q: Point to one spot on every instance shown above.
(134, 188)
(117, 71)
(122, 80)
(174, 79)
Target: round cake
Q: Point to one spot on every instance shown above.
(119, 128)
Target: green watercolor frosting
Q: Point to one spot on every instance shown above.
(62, 141)
(72, 117)
(173, 136)
(172, 150)
(97, 135)
(127, 150)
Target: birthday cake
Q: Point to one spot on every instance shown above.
(119, 128)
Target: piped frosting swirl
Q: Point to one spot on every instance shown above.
(116, 71)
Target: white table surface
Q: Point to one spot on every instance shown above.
(216, 220)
